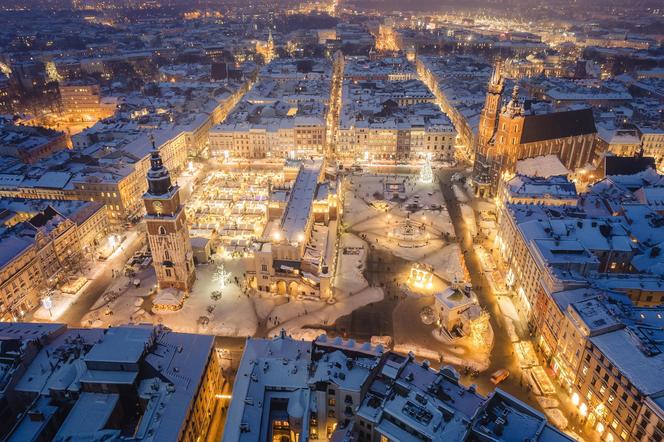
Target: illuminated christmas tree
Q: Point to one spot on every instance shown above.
(221, 276)
(426, 174)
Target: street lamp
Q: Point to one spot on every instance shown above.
(575, 398)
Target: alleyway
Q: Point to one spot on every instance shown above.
(502, 355)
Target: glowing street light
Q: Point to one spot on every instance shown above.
(576, 399)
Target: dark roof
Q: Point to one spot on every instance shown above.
(557, 125)
(40, 219)
(615, 165)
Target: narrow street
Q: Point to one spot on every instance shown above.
(230, 353)
(97, 285)
(502, 355)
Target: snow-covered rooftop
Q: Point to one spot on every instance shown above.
(403, 400)
(542, 166)
(300, 201)
(166, 368)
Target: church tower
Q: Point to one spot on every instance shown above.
(489, 115)
(508, 133)
(167, 231)
(484, 167)
(270, 48)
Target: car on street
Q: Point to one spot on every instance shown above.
(499, 376)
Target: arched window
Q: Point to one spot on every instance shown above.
(167, 256)
(162, 230)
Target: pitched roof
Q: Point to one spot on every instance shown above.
(615, 165)
(42, 218)
(554, 125)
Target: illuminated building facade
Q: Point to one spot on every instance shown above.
(38, 250)
(297, 255)
(83, 102)
(527, 129)
(267, 49)
(387, 114)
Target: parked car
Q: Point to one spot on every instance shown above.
(499, 376)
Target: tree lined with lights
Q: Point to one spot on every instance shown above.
(221, 276)
(426, 173)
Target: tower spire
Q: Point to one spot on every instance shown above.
(159, 180)
(514, 106)
(496, 82)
